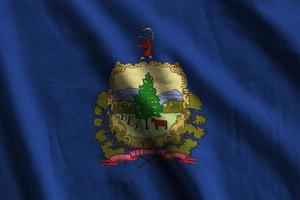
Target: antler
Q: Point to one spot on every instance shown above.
(149, 29)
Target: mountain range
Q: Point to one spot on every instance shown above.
(130, 93)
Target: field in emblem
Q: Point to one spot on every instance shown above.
(148, 110)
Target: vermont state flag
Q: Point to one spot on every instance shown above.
(196, 99)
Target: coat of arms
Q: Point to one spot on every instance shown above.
(148, 110)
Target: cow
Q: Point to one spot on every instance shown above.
(159, 122)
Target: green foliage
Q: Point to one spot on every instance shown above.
(119, 137)
(97, 110)
(123, 107)
(187, 114)
(186, 147)
(97, 122)
(176, 139)
(189, 128)
(199, 132)
(200, 119)
(146, 103)
(195, 102)
(106, 145)
(106, 148)
(172, 106)
(108, 151)
(102, 99)
(100, 136)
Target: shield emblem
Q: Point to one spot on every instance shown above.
(147, 101)
(145, 112)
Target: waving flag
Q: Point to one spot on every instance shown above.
(149, 99)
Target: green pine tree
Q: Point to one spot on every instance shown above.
(146, 103)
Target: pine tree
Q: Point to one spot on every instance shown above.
(146, 103)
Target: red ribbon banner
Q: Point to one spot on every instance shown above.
(133, 155)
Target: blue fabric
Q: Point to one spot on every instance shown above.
(242, 58)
